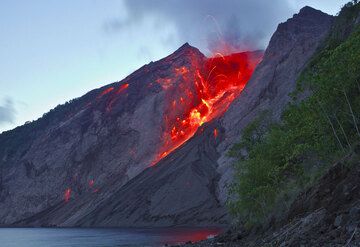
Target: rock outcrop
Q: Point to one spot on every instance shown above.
(290, 49)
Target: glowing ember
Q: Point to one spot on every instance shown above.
(204, 93)
(215, 133)
(181, 71)
(67, 194)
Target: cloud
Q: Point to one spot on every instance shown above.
(209, 24)
(7, 112)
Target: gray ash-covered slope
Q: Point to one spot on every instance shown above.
(91, 145)
(179, 190)
(188, 187)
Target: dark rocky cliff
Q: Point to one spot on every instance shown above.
(290, 49)
(95, 141)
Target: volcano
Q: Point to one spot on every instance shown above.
(111, 134)
(150, 150)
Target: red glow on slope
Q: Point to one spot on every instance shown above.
(91, 186)
(67, 194)
(215, 133)
(205, 94)
(122, 88)
(106, 91)
(165, 83)
(181, 71)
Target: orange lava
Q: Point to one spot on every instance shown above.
(106, 91)
(122, 88)
(204, 94)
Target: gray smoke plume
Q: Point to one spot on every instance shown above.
(209, 24)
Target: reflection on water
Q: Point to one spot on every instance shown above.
(91, 237)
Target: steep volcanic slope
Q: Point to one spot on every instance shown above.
(290, 48)
(79, 153)
(179, 190)
(189, 186)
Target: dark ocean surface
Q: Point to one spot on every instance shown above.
(91, 237)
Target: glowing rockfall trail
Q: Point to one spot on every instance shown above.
(209, 89)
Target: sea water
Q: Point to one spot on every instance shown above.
(98, 237)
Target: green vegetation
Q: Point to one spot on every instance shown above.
(276, 160)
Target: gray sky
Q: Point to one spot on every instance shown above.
(53, 51)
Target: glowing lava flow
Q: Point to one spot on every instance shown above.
(206, 93)
(106, 91)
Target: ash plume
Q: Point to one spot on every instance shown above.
(209, 24)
